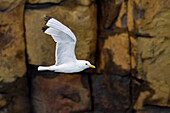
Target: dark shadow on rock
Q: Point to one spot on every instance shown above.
(153, 109)
(110, 66)
(111, 94)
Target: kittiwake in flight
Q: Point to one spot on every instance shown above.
(65, 58)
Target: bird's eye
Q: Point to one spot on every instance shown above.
(86, 64)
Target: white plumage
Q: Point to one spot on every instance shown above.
(65, 59)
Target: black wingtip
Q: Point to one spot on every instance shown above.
(47, 18)
(44, 28)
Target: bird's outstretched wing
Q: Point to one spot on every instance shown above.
(64, 38)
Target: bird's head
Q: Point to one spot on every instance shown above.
(85, 64)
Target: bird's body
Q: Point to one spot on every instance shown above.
(65, 58)
(70, 67)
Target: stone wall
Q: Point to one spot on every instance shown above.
(127, 40)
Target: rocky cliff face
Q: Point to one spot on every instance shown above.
(127, 40)
(152, 43)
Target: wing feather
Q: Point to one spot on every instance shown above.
(58, 25)
(65, 41)
(58, 35)
(56, 56)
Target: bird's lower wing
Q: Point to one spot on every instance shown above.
(56, 57)
(65, 53)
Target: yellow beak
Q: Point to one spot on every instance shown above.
(92, 66)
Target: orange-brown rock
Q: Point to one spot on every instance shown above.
(153, 68)
(80, 19)
(148, 17)
(9, 5)
(155, 18)
(113, 41)
(80, 2)
(13, 85)
(133, 55)
(122, 17)
(85, 2)
(134, 14)
(153, 50)
(3, 101)
(43, 1)
(12, 45)
(115, 58)
(63, 94)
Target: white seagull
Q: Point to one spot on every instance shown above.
(65, 59)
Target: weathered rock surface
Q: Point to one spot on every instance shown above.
(122, 17)
(133, 55)
(14, 97)
(113, 44)
(155, 20)
(109, 11)
(79, 2)
(85, 2)
(13, 84)
(111, 91)
(9, 5)
(80, 19)
(151, 19)
(43, 1)
(63, 94)
(12, 45)
(134, 14)
(115, 58)
(153, 67)
(111, 94)
(154, 109)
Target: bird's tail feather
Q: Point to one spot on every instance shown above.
(42, 68)
(50, 68)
